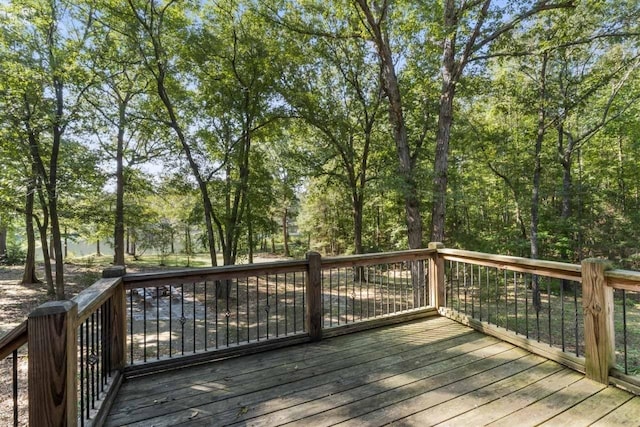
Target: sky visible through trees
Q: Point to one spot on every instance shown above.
(236, 126)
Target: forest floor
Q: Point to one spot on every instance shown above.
(18, 300)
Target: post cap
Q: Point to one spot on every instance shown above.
(53, 307)
(114, 271)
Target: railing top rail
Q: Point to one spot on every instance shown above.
(16, 338)
(376, 258)
(554, 269)
(623, 279)
(135, 280)
(94, 296)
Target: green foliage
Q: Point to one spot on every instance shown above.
(284, 120)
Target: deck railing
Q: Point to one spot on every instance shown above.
(583, 316)
(13, 351)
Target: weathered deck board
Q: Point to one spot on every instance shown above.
(418, 373)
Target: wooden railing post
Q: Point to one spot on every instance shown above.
(599, 333)
(314, 296)
(436, 276)
(53, 364)
(118, 318)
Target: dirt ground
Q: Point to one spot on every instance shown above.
(17, 301)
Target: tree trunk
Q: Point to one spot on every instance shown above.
(250, 242)
(98, 253)
(3, 240)
(537, 172)
(118, 232)
(357, 223)
(285, 232)
(45, 241)
(29, 275)
(52, 249)
(398, 124)
(441, 161)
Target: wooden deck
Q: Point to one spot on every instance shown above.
(427, 372)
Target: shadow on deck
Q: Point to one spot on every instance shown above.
(425, 372)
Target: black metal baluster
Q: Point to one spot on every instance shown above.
(295, 322)
(101, 347)
(360, 273)
(624, 330)
(15, 388)
(425, 279)
(497, 296)
(480, 290)
(562, 314)
(144, 324)
(395, 288)
(304, 317)
(277, 318)
(248, 311)
(183, 319)
(87, 392)
(82, 374)
(506, 301)
(549, 309)
(266, 308)
(386, 275)
(526, 306)
(157, 323)
(515, 296)
(204, 317)
(218, 283)
(353, 306)
(376, 290)
(378, 281)
(537, 295)
(458, 283)
(93, 360)
(464, 285)
(258, 308)
(286, 306)
(237, 311)
(366, 268)
(338, 318)
(330, 297)
(227, 313)
(402, 290)
(130, 324)
(194, 317)
(575, 320)
(473, 293)
(170, 319)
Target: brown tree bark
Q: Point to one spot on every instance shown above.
(29, 274)
(118, 232)
(398, 124)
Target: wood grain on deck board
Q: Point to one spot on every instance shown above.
(551, 405)
(333, 377)
(422, 372)
(625, 415)
(515, 401)
(591, 409)
(229, 383)
(304, 355)
(402, 333)
(341, 391)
